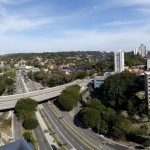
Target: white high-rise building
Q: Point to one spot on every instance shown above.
(142, 50)
(135, 51)
(148, 64)
(119, 61)
(147, 87)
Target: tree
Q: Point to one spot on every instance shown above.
(119, 88)
(69, 97)
(121, 126)
(25, 108)
(30, 123)
(95, 103)
(29, 137)
(90, 117)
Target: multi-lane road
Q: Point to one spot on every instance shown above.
(64, 134)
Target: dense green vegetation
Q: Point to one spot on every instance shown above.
(28, 136)
(119, 92)
(7, 81)
(106, 121)
(30, 123)
(133, 60)
(25, 110)
(69, 97)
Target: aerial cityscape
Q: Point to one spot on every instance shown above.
(74, 75)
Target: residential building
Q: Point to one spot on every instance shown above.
(119, 61)
(147, 87)
(142, 50)
(148, 64)
(135, 51)
(98, 81)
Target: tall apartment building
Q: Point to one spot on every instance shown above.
(135, 51)
(147, 87)
(142, 50)
(119, 61)
(148, 64)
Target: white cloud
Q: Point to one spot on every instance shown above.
(117, 23)
(77, 40)
(13, 1)
(143, 10)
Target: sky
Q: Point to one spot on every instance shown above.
(72, 25)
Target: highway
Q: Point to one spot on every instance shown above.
(88, 134)
(41, 139)
(65, 135)
(17, 129)
(17, 124)
(43, 144)
(8, 102)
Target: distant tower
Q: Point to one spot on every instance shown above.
(142, 50)
(135, 51)
(119, 61)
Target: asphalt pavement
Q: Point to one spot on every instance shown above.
(63, 133)
(43, 144)
(88, 134)
(17, 128)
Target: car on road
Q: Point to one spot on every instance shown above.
(54, 147)
(45, 131)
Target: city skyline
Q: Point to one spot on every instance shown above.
(39, 26)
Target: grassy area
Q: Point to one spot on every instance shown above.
(73, 131)
(5, 127)
(61, 145)
(35, 144)
(137, 125)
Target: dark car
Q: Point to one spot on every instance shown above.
(54, 147)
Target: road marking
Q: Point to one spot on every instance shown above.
(41, 140)
(102, 147)
(38, 131)
(56, 127)
(91, 138)
(56, 120)
(82, 132)
(72, 139)
(17, 129)
(81, 147)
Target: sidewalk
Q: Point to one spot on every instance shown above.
(44, 127)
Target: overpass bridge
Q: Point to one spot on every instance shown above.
(9, 102)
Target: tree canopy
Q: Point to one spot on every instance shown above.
(118, 89)
(30, 123)
(69, 97)
(25, 108)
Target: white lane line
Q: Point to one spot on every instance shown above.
(72, 139)
(81, 147)
(102, 147)
(57, 128)
(41, 140)
(82, 132)
(91, 138)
